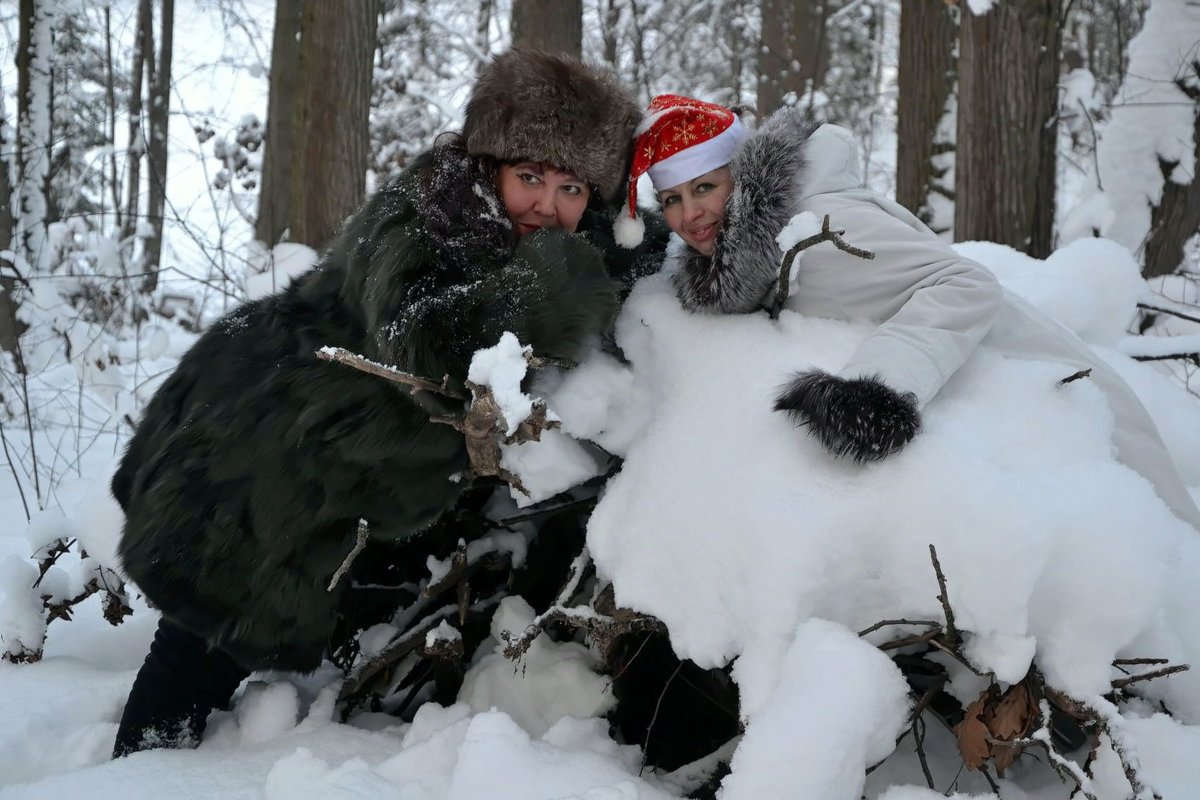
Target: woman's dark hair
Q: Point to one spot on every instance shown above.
(491, 165)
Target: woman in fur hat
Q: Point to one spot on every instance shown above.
(728, 192)
(246, 478)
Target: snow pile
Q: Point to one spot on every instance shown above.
(736, 529)
(546, 467)
(552, 681)
(1092, 286)
(273, 270)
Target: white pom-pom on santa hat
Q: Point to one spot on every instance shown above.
(628, 228)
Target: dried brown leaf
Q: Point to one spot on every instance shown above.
(1010, 718)
(973, 734)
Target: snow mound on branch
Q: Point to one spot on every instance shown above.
(837, 703)
(734, 527)
(1092, 286)
(552, 681)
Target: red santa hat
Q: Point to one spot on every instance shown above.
(679, 138)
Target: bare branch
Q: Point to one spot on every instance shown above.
(343, 356)
(785, 268)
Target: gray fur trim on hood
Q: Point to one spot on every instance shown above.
(553, 109)
(768, 173)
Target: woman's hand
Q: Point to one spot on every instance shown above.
(860, 418)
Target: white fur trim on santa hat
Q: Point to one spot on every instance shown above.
(698, 159)
(628, 230)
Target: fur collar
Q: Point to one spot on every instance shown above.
(768, 176)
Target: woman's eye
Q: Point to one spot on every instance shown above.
(572, 189)
(705, 188)
(670, 200)
(529, 178)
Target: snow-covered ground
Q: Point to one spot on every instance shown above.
(737, 531)
(727, 523)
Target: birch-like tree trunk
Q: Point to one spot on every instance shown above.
(137, 142)
(1005, 170)
(35, 100)
(555, 26)
(159, 118)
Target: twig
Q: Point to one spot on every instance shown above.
(1169, 311)
(411, 640)
(944, 596)
(1134, 661)
(918, 729)
(929, 623)
(1121, 683)
(360, 542)
(785, 267)
(1192, 357)
(341, 355)
(654, 718)
(1083, 373)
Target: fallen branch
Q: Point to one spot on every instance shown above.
(1121, 683)
(341, 355)
(785, 268)
(360, 542)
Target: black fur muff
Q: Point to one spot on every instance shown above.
(859, 418)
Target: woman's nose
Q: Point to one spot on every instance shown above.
(691, 210)
(543, 203)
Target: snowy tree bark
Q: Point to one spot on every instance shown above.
(1007, 124)
(332, 136)
(159, 118)
(34, 58)
(274, 195)
(1147, 155)
(928, 32)
(9, 330)
(1176, 219)
(137, 142)
(555, 26)
(793, 57)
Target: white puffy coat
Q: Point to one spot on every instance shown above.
(933, 306)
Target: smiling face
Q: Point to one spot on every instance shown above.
(537, 196)
(695, 209)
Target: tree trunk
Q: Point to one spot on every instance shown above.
(1176, 218)
(1007, 125)
(160, 104)
(34, 59)
(275, 193)
(110, 96)
(555, 26)
(793, 57)
(137, 143)
(483, 38)
(9, 327)
(926, 80)
(332, 138)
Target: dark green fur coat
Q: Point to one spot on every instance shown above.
(245, 479)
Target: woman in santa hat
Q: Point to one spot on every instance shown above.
(727, 192)
(246, 478)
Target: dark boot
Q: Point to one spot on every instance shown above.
(181, 681)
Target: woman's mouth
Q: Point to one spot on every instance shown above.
(524, 228)
(703, 234)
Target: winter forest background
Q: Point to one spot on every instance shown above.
(163, 162)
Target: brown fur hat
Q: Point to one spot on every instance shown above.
(552, 108)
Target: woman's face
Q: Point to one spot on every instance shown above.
(694, 209)
(539, 196)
